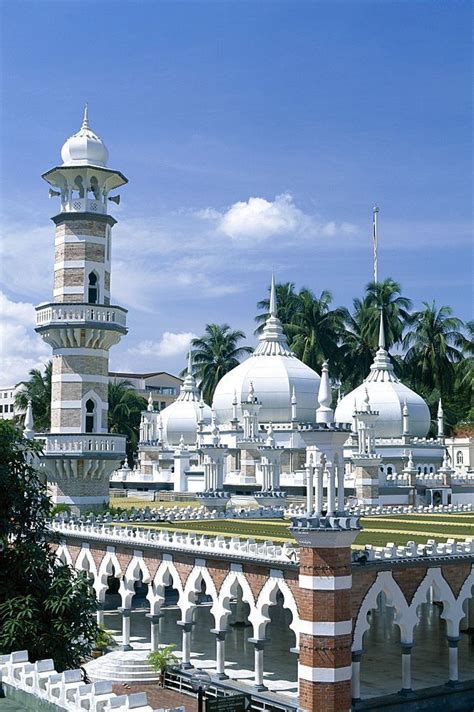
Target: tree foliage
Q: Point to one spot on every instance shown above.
(46, 607)
(215, 354)
(38, 390)
(125, 407)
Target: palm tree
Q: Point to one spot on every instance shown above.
(38, 390)
(434, 346)
(287, 306)
(386, 295)
(215, 354)
(162, 659)
(315, 329)
(358, 344)
(125, 408)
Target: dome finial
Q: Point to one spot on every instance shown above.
(190, 363)
(381, 331)
(273, 302)
(85, 119)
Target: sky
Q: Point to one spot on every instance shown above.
(256, 135)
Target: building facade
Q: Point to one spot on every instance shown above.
(162, 386)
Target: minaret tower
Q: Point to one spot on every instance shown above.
(81, 325)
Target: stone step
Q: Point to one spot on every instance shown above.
(122, 666)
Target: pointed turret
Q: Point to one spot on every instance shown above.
(273, 301)
(381, 332)
(150, 407)
(272, 340)
(324, 413)
(440, 418)
(85, 119)
(28, 431)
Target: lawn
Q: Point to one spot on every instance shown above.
(376, 530)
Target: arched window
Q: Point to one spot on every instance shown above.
(459, 458)
(431, 470)
(93, 291)
(425, 470)
(90, 416)
(389, 470)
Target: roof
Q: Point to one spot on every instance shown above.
(144, 375)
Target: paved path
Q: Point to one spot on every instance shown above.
(159, 697)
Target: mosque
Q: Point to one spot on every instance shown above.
(271, 420)
(271, 424)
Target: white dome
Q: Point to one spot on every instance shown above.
(84, 147)
(388, 396)
(181, 418)
(276, 375)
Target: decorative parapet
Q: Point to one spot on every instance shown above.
(82, 444)
(380, 510)
(66, 690)
(217, 546)
(77, 315)
(411, 550)
(324, 531)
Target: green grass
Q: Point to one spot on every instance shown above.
(129, 503)
(417, 528)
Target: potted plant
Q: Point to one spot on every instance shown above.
(162, 659)
(102, 641)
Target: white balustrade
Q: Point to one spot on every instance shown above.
(94, 443)
(55, 313)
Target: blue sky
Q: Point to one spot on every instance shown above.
(256, 136)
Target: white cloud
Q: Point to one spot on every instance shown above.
(20, 348)
(170, 344)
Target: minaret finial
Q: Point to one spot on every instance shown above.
(190, 363)
(273, 302)
(28, 431)
(375, 242)
(381, 331)
(85, 120)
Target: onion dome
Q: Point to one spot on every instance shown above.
(84, 147)
(388, 395)
(276, 375)
(181, 418)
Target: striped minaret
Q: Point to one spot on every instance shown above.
(324, 593)
(81, 325)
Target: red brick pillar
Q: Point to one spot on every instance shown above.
(325, 582)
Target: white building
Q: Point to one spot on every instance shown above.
(8, 409)
(163, 387)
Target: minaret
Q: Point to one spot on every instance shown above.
(81, 325)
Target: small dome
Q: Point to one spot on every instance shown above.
(387, 395)
(276, 374)
(84, 147)
(181, 418)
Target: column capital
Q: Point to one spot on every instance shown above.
(125, 612)
(453, 641)
(186, 626)
(406, 648)
(154, 617)
(357, 655)
(220, 634)
(259, 643)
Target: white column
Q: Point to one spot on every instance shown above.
(406, 666)
(331, 490)
(154, 630)
(220, 653)
(453, 661)
(258, 663)
(125, 628)
(356, 676)
(100, 614)
(319, 488)
(309, 487)
(340, 486)
(186, 645)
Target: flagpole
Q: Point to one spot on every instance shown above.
(375, 239)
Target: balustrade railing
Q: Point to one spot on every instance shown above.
(55, 313)
(91, 443)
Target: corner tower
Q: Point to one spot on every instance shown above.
(80, 324)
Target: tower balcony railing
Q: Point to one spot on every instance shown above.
(82, 443)
(73, 313)
(84, 205)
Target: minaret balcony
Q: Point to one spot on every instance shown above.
(83, 445)
(77, 315)
(84, 205)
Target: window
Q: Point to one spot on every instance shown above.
(459, 458)
(11, 407)
(1, 408)
(93, 294)
(162, 405)
(90, 415)
(389, 470)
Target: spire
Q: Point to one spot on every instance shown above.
(150, 406)
(190, 363)
(440, 420)
(273, 302)
(270, 439)
(28, 431)
(85, 120)
(189, 390)
(381, 332)
(272, 340)
(324, 414)
(251, 395)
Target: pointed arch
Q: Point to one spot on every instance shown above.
(405, 618)
(227, 591)
(452, 611)
(63, 555)
(266, 598)
(166, 572)
(85, 562)
(136, 567)
(109, 566)
(192, 587)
